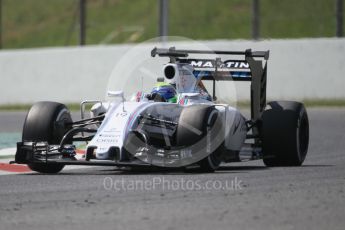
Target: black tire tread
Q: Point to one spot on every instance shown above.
(280, 125)
(197, 116)
(40, 126)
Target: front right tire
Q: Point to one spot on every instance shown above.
(46, 121)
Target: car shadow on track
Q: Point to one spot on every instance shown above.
(162, 171)
(169, 171)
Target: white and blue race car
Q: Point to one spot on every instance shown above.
(178, 124)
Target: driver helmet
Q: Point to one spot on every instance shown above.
(165, 90)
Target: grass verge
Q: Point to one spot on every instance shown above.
(26, 107)
(41, 23)
(7, 156)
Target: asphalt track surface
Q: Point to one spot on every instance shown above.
(307, 197)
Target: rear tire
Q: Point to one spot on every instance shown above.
(285, 134)
(46, 121)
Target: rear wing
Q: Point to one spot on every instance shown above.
(245, 69)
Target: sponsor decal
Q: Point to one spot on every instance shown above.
(236, 64)
(231, 64)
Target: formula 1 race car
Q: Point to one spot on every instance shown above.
(177, 125)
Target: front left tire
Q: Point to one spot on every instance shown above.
(194, 124)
